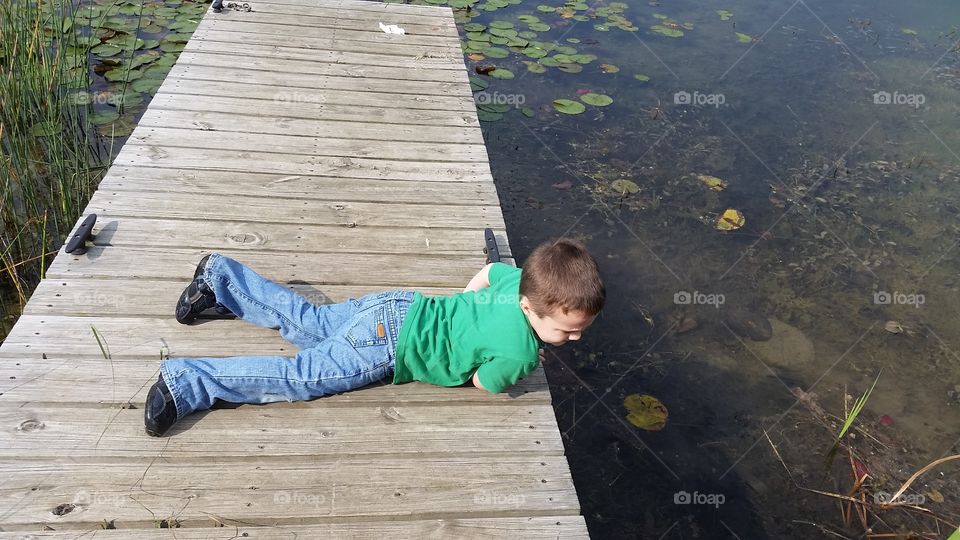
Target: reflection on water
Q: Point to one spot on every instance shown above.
(834, 128)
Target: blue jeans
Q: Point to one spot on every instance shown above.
(343, 346)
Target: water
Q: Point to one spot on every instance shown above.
(836, 133)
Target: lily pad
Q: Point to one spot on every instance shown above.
(534, 52)
(573, 40)
(731, 220)
(609, 68)
(106, 50)
(712, 182)
(122, 127)
(477, 84)
(478, 36)
(534, 67)
(568, 106)
(646, 412)
(501, 25)
(599, 100)
(122, 73)
(549, 62)
(624, 186)
(488, 116)
(147, 86)
(474, 27)
(527, 34)
(641, 77)
(539, 27)
(504, 32)
(501, 73)
(528, 112)
(543, 8)
(497, 40)
(570, 68)
(45, 129)
(724, 14)
(496, 52)
(601, 28)
(104, 117)
(583, 58)
(528, 18)
(744, 38)
(669, 32)
(909, 31)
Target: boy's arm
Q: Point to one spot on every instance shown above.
(479, 281)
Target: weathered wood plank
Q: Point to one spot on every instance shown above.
(272, 25)
(366, 6)
(274, 68)
(416, 65)
(381, 12)
(255, 431)
(230, 122)
(210, 69)
(85, 382)
(276, 109)
(270, 491)
(350, 52)
(312, 146)
(111, 297)
(268, 162)
(219, 235)
(313, 96)
(133, 178)
(384, 271)
(528, 528)
(339, 21)
(289, 210)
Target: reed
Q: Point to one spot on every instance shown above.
(52, 158)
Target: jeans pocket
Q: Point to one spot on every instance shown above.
(369, 328)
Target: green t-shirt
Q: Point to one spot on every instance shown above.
(443, 340)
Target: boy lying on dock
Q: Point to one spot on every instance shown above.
(490, 334)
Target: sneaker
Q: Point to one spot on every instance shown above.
(196, 298)
(159, 411)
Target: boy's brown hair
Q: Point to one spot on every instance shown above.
(563, 274)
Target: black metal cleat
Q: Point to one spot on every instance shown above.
(78, 242)
(491, 249)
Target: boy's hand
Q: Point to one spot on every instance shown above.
(479, 281)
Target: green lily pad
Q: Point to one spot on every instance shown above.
(601, 28)
(568, 106)
(528, 112)
(494, 107)
(496, 52)
(534, 67)
(497, 40)
(478, 45)
(534, 52)
(909, 31)
(502, 25)
(147, 85)
(660, 16)
(583, 58)
(125, 100)
(539, 27)
(527, 34)
(477, 84)
(641, 77)
(669, 32)
(570, 68)
(121, 73)
(104, 117)
(581, 18)
(517, 42)
(106, 50)
(724, 14)
(487, 116)
(543, 8)
(474, 27)
(563, 58)
(528, 18)
(549, 62)
(45, 129)
(565, 49)
(744, 38)
(598, 100)
(503, 32)
(122, 127)
(501, 73)
(478, 36)
(573, 40)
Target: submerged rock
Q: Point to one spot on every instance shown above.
(747, 323)
(788, 346)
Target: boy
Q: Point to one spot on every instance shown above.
(490, 333)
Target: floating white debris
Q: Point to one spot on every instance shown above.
(392, 29)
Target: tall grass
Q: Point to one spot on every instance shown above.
(51, 157)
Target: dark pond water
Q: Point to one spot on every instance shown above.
(833, 126)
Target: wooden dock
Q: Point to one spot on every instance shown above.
(302, 140)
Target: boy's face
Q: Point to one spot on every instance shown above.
(557, 328)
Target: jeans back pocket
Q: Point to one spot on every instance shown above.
(369, 327)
